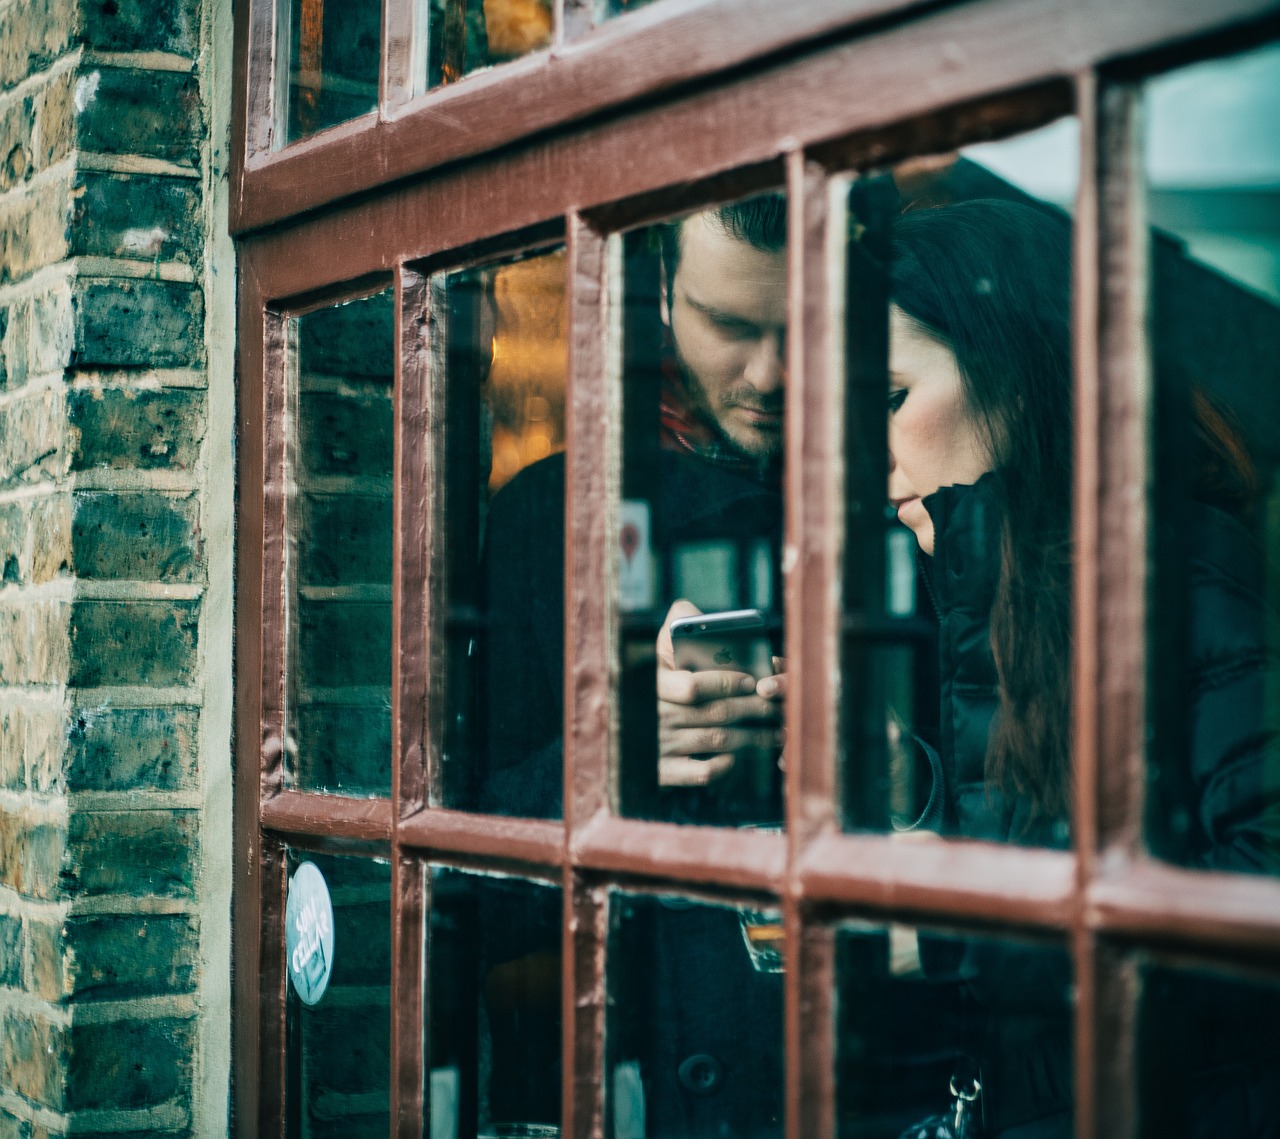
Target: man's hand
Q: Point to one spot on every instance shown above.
(710, 715)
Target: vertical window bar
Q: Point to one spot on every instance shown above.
(431, 345)
(810, 1008)
(414, 540)
(408, 1060)
(593, 457)
(403, 74)
(271, 980)
(583, 1001)
(277, 381)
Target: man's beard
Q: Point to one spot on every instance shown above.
(766, 445)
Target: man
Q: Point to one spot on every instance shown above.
(696, 1027)
(717, 486)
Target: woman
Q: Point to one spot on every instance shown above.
(980, 443)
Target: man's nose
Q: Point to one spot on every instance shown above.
(766, 369)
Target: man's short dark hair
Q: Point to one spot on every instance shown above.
(760, 221)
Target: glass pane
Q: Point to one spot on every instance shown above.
(501, 338)
(338, 1049)
(920, 1013)
(693, 1040)
(608, 8)
(957, 586)
(467, 35)
(341, 434)
(703, 328)
(334, 49)
(1208, 1054)
(493, 994)
(1213, 169)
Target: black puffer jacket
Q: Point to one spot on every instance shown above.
(1025, 993)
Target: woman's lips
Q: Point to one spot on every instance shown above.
(900, 504)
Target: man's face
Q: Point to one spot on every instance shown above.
(729, 322)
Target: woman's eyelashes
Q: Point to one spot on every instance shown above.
(897, 397)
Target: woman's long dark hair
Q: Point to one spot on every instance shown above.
(990, 279)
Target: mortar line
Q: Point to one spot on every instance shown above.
(61, 168)
(139, 60)
(68, 61)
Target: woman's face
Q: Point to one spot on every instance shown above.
(933, 439)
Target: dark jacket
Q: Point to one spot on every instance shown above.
(688, 1009)
(1024, 992)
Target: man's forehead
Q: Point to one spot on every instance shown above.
(722, 272)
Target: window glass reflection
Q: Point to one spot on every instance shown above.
(1213, 169)
(339, 518)
(1208, 1054)
(338, 1051)
(334, 49)
(932, 1024)
(500, 339)
(700, 528)
(493, 993)
(694, 1035)
(466, 35)
(958, 457)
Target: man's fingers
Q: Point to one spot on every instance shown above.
(729, 711)
(716, 741)
(680, 771)
(680, 687)
(666, 654)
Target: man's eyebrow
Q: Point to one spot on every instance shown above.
(717, 313)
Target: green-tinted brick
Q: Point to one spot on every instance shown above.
(142, 25)
(345, 748)
(146, 430)
(136, 216)
(344, 643)
(344, 539)
(347, 434)
(155, 114)
(140, 537)
(125, 749)
(133, 642)
(10, 950)
(356, 341)
(12, 1127)
(131, 1065)
(138, 323)
(114, 958)
(145, 853)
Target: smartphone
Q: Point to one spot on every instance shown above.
(734, 641)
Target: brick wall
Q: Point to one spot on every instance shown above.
(114, 571)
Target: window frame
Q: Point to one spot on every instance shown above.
(806, 109)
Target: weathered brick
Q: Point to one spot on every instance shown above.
(34, 642)
(124, 749)
(11, 1127)
(130, 322)
(136, 216)
(31, 854)
(40, 335)
(34, 228)
(45, 744)
(13, 749)
(35, 540)
(33, 1053)
(47, 959)
(32, 35)
(10, 950)
(346, 434)
(113, 958)
(344, 643)
(151, 113)
(145, 430)
(344, 539)
(148, 853)
(130, 1065)
(142, 25)
(133, 642)
(141, 537)
(32, 435)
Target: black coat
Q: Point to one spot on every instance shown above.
(1026, 1058)
(687, 1006)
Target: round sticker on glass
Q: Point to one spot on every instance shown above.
(308, 933)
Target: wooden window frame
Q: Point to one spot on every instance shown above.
(836, 89)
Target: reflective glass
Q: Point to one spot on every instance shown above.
(500, 336)
(1208, 1055)
(608, 8)
(928, 1024)
(693, 1040)
(338, 1050)
(1213, 200)
(341, 426)
(466, 35)
(334, 49)
(703, 351)
(957, 557)
(493, 994)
